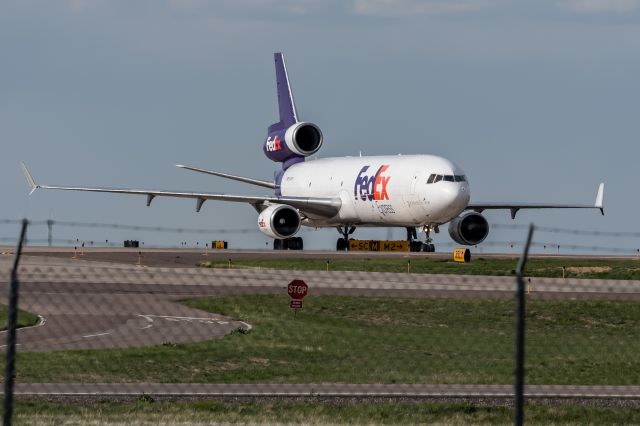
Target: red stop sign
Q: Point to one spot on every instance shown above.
(297, 289)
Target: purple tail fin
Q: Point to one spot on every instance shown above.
(286, 105)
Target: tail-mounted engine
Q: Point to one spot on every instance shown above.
(470, 228)
(279, 221)
(302, 139)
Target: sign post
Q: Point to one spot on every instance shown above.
(297, 290)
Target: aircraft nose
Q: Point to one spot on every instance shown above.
(455, 197)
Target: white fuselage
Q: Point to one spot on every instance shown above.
(381, 190)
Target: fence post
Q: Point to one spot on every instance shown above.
(50, 232)
(9, 373)
(518, 417)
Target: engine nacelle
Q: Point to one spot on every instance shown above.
(279, 221)
(299, 140)
(303, 138)
(470, 228)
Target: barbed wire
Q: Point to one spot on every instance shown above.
(548, 248)
(554, 230)
(129, 227)
(619, 234)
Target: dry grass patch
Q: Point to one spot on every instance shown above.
(582, 270)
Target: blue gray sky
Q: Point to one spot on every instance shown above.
(535, 100)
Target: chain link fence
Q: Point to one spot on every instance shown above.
(140, 324)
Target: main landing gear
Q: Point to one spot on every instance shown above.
(416, 246)
(343, 243)
(293, 243)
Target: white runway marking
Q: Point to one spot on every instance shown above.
(189, 319)
(178, 318)
(41, 321)
(96, 335)
(148, 319)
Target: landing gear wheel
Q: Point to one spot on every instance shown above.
(429, 248)
(300, 243)
(277, 244)
(343, 243)
(415, 246)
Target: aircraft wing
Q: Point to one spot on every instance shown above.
(324, 207)
(515, 207)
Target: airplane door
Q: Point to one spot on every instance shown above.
(415, 199)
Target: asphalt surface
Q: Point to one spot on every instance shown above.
(103, 300)
(114, 303)
(85, 306)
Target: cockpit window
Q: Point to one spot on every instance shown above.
(433, 178)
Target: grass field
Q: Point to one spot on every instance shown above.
(25, 319)
(375, 340)
(312, 412)
(574, 268)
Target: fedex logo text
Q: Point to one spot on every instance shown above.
(273, 144)
(372, 187)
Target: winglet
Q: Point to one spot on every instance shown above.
(600, 198)
(30, 181)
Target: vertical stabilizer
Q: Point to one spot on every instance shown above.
(286, 104)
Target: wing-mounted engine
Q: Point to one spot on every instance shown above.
(279, 221)
(300, 140)
(470, 228)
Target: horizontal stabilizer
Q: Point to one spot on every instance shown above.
(251, 181)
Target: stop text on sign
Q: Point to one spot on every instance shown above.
(297, 289)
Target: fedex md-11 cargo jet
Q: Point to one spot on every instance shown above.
(409, 191)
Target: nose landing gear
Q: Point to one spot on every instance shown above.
(428, 246)
(416, 246)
